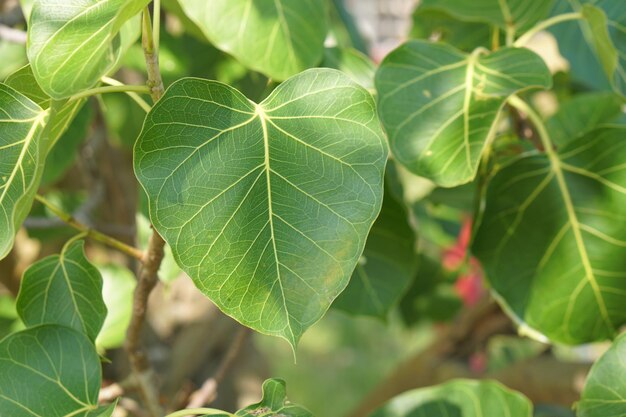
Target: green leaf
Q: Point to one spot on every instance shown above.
(62, 112)
(266, 206)
(50, 371)
(604, 394)
(22, 155)
(13, 57)
(387, 266)
(117, 292)
(355, 64)
(69, 277)
(516, 14)
(467, 36)
(73, 43)
(440, 106)
(582, 114)
(274, 403)
(553, 239)
(459, 398)
(279, 38)
(595, 47)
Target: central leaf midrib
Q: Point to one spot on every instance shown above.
(262, 117)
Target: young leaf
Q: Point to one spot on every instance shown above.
(68, 277)
(279, 38)
(595, 47)
(515, 14)
(459, 398)
(72, 43)
(582, 114)
(274, 403)
(266, 206)
(50, 371)
(553, 238)
(387, 266)
(440, 106)
(22, 154)
(604, 394)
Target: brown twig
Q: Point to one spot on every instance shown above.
(147, 280)
(208, 391)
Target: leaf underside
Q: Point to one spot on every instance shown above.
(267, 207)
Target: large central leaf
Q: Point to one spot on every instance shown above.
(440, 105)
(276, 37)
(553, 238)
(22, 155)
(72, 43)
(267, 207)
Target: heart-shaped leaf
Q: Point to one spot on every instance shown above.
(595, 46)
(274, 403)
(50, 371)
(553, 238)
(387, 266)
(515, 15)
(73, 43)
(22, 155)
(440, 106)
(604, 394)
(461, 398)
(266, 206)
(279, 38)
(68, 277)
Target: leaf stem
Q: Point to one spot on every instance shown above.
(155, 82)
(198, 411)
(111, 89)
(89, 232)
(156, 25)
(523, 40)
(141, 102)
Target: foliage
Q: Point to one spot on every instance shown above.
(285, 172)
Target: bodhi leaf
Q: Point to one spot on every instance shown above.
(50, 371)
(460, 398)
(387, 266)
(279, 38)
(72, 43)
(440, 106)
(553, 238)
(514, 14)
(274, 403)
(596, 45)
(22, 155)
(68, 277)
(117, 291)
(266, 206)
(604, 394)
(582, 114)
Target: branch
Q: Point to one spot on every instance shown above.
(542, 379)
(208, 392)
(147, 280)
(91, 233)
